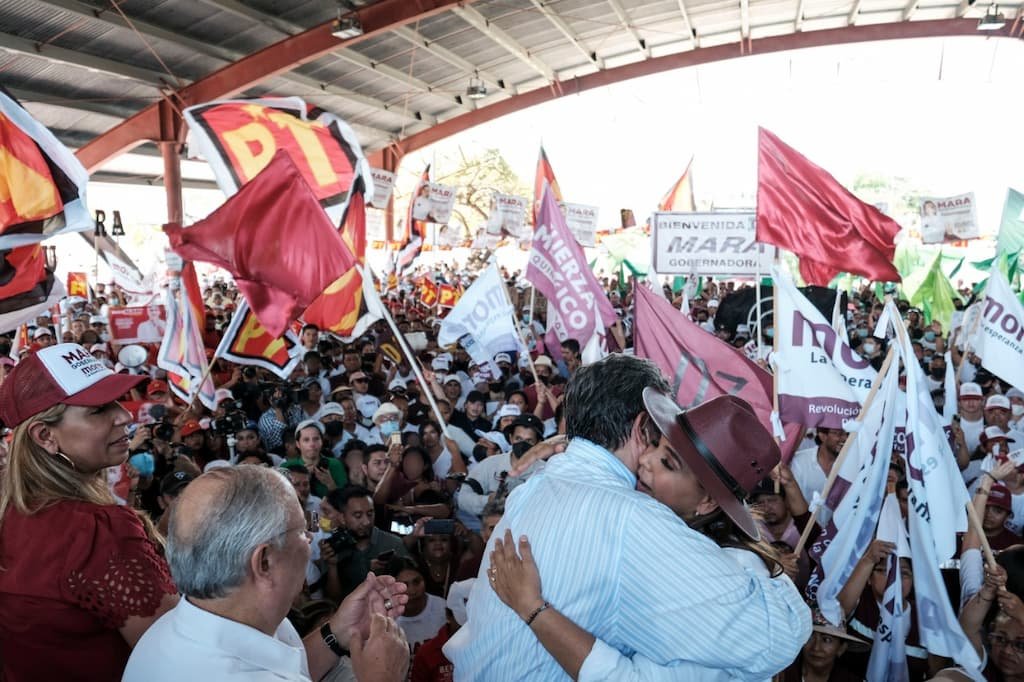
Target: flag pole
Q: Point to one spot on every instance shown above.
(515, 325)
(972, 516)
(775, 346)
(837, 465)
(413, 362)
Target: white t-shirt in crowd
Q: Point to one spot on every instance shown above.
(807, 472)
(425, 626)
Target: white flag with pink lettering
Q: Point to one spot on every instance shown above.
(1000, 338)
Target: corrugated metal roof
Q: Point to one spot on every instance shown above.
(194, 38)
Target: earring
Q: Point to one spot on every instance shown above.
(67, 460)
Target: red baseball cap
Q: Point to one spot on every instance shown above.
(999, 496)
(63, 374)
(156, 386)
(190, 427)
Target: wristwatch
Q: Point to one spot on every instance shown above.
(332, 642)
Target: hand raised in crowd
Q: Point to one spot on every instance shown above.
(1011, 605)
(327, 553)
(541, 451)
(1003, 470)
(514, 577)
(384, 656)
(395, 454)
(381, 595)
(142, 434)
(878, 550)
(995, 581)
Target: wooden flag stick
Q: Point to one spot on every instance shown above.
(841, 457)
(975, 521)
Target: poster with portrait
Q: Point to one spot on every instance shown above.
(949, 219)
(582, 222)
(138, 325)
(383, 183)
(376, 225)
(507, 215)
(442, 201)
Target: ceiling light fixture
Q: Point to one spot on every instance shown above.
(993, 19)
(476, 89)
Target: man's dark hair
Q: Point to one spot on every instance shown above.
(354, 444)
(311, 355)
(309, 325)
(368, 452)
(493, 508)
(339, 497)
(603, 399)
(296, 468)
(430, 422)
(572, 345)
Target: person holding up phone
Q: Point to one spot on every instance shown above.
(324, 474)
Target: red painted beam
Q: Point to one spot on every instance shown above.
(704, 55)
(272, 60)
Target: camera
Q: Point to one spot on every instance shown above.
(341, 541)
(249, 372)
(163, 431)
(233, 422)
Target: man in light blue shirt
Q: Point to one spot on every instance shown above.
(623, 566)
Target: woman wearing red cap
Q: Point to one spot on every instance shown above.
(81, 578)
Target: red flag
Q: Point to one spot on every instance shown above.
(78, 284)
(190, 284)
(275, 239)
(699, 365)
(680, 196)
(545, 176)
(802, 208)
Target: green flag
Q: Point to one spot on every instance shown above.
(1011, 227)
(935, 295)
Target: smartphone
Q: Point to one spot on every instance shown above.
(395, 439)
(399, 528)
(386, 556)
(439, 527)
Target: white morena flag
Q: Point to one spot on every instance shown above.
(483, 314)
(889, 653)
(863, 475)
(1000, 341)
(821, 380)
(937, 510)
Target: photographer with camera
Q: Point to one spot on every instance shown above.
(281, 415)
(355, 546)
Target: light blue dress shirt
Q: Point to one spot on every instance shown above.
(626, 569)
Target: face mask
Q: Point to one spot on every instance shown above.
(519, 449)
(388, 429)
(369, 357)
(770, 333)
(334, 429)
(496, 386)
(938, 372)
(929, 336)
(869, 348)
(479, 453)
(461, 365)
(862, 333)
(996, 449)
(326, 525)
(1017, 410)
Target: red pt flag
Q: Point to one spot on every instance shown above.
(275, 239)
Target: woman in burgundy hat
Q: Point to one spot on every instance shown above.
(702, 464)
(81, 578)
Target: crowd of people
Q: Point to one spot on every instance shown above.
(551, 519)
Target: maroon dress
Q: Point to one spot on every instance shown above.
(70, 576)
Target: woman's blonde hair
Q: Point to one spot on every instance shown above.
(34, 478)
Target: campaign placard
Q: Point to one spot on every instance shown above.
(708, 244)
(949, 219)
(383, 183)
(138, 325)
(582, 222)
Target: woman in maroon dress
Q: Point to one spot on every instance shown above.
(81, 578)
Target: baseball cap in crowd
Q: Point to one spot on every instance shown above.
(397, 385)
(725, 446)
(357, 375)
(190, 427)
(330, 409)
(98, 348)
(367, 405)
(97, 319)
(41, 332)
(530, 421)
(440, 364)
(543, 361)
(999, 496)
(502, 357)
(854, 644)
(969, 389)
(156, 386)
(453, 377)
(743, 330)
(713, 303)
(222, 394)
(62, 374)
(306, 424)
(1014, 393)
(172, 484)
(997, 402)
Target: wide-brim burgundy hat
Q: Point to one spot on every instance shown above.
(724, 444)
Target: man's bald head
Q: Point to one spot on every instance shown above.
(219, 520)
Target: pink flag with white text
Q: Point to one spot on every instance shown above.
(559, 270)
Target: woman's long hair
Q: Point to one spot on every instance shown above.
(723, 531)
(35, 479)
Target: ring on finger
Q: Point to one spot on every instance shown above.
(388, 605)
